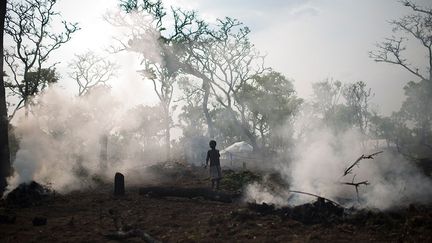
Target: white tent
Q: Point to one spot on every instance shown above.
(239, 147)
(236, 153)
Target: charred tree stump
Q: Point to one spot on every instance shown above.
(188, 193)
(119, 185)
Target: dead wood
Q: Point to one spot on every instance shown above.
(205, 193)
(370, 156)
(356, 185)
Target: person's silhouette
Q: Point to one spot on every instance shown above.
(215, 169)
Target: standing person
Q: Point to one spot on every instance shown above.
(215, 169)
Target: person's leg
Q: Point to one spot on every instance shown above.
(217, 184)
(213, 184)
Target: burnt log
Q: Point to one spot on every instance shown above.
(204, 193)
(119, 185)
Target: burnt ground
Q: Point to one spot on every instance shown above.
(90, 215)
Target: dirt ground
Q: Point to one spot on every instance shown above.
(88, 216)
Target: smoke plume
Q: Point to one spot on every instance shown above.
(319, 159)
(61, 140)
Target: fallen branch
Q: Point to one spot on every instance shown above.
(370, 156)
(188, 193)
(314, 195)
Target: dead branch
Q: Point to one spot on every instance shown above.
(314, 195)
(370, 156)
(356, 185)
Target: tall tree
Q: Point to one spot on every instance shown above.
(415, 109)
(30, 25)
(163, 85)
(4, 123)
(221, 56)
(230, 61)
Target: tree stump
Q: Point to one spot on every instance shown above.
(119, 186)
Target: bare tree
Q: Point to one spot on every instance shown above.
(90, 70)
(30, 25)
(418, 26)
(4, 128)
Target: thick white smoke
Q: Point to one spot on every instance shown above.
(319, 160)
(60, 141)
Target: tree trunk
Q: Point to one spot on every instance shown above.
(210, 126)
(243, 129)
(103, 152)
(4, 132)
(167, 133)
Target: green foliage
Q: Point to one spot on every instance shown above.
(270, 101)
(237, 180)
(417, 107)
(36, 81)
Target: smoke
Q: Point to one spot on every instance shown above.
(62, 138)
(319, 159)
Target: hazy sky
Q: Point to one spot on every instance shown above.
(308, 41)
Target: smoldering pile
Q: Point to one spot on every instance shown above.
(29, 194)
(321, 211)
